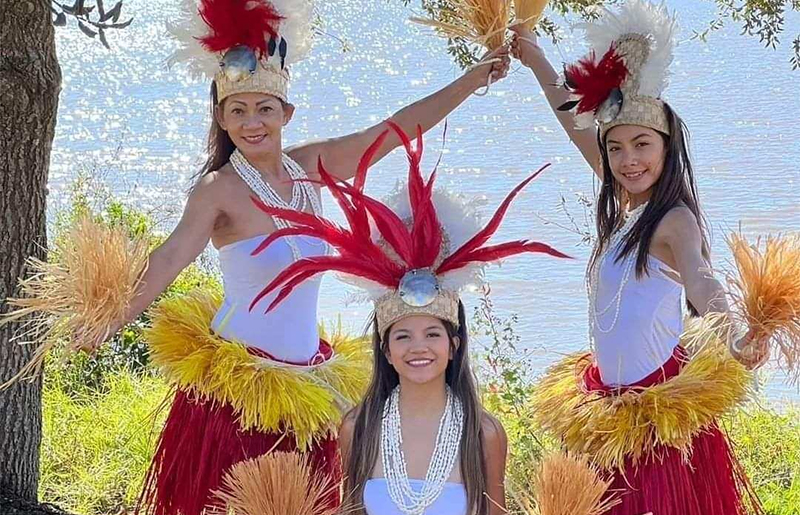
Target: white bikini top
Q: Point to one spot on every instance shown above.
(648, 325)
(452, 500)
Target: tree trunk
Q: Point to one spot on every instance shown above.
(30, 80)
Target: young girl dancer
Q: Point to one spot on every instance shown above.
(644, 404)
(419, 442)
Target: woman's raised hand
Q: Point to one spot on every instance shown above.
(525, 45)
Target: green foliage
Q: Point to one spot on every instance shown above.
(764, 19)
(506, 387)
(97, 445)
(92, 20)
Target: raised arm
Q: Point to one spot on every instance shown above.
(181, 248)
(524, 47)
(341, 155)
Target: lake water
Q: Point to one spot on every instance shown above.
(141, 128)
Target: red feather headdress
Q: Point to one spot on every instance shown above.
(625, 86)
(405, 252)
(245, 46)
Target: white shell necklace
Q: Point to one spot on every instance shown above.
(303, 192)
(593, 277)
(445, 452)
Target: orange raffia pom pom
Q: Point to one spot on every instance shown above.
(277, 483)
(479, 21)
(766, 292)
(566, 484)
(85, 286)
(529, 12)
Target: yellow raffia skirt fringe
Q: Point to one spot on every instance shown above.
(611, 428)
(265, 394)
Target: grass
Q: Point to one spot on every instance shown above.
(97, 445)
(768, 445)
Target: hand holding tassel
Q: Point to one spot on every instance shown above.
(82, 291)
(766, 296)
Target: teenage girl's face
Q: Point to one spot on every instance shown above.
(419, 349)
(254, 122)
(636, 155)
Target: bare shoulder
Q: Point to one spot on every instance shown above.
(679, 222)
(494, 435)
(348, 423)
(307, 155)
(215, 183)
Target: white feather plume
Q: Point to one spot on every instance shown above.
(639, 17)
(199, 62)
(296, 27)
(460, 221)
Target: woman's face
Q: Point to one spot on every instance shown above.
(636, 155)
(254, 122)
(419, 349)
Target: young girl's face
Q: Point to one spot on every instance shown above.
(419, 348)
(636, 155)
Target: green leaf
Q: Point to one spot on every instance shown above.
(60, 20)
(86, 30)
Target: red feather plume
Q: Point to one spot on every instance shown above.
(474, 252)
(250, 23)
(358, 255)
(594, 81)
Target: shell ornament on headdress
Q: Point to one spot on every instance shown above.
(621, 80)
(245, 46)
(426, 246)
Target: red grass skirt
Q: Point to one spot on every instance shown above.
(201, 441)
(711, 482)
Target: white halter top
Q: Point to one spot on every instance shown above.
(289, 332)
(648, 326)
(452, 500)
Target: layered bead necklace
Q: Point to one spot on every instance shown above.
(303, 193)
(445, 452)
(593, 277)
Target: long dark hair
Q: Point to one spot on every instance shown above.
(675, 187)
(219, 145)
(365, 446)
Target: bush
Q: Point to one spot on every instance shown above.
(768, 445)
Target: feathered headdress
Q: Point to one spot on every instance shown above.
(426, 246)
(621, 81)
(245, 46)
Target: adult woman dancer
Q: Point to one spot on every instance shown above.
(254, 382)
(644, 403)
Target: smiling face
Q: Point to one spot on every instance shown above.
(254, 122)
(419, 348)
(636, 156)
